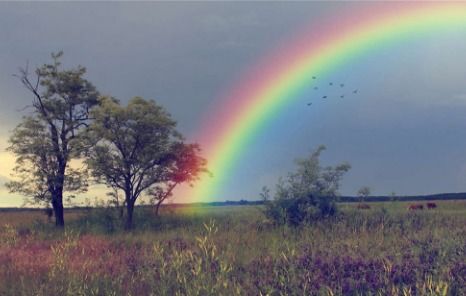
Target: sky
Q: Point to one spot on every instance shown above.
(403, 132)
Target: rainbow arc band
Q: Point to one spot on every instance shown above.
(320, 49)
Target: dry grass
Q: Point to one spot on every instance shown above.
(24, 218)
(386, 250)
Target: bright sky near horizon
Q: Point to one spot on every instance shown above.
(404, 131)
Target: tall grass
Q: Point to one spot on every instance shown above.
(230, 251)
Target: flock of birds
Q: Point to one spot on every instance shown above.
(341, 85)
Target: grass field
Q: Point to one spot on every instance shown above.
(386, 250)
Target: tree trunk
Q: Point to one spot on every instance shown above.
(122, 210)
(157, 207)
(59, 214)
(58, 211)
(121, 207)
(129, 209)
(164, 197)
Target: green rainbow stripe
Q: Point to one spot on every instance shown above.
(251, 104)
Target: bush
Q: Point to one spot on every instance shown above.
(299, 210)
(307, 194)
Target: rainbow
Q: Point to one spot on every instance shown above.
(320, 49)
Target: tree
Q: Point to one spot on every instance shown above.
(49, 138)
(116, 201)
(185, 167)
(308, 193)
(137, 148)
(363, 193)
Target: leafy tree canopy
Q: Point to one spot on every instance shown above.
(307, 193)
(53, 134)
(137, 148)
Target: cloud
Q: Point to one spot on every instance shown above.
(226, 22)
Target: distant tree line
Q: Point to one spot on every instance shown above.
(439, 196)
(355, 199)
(74, 135)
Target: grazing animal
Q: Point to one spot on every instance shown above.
(414, 207)
(363, 206)
(431, 205)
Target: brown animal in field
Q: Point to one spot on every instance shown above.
(431, 205)
(413, 207)
(363, 206)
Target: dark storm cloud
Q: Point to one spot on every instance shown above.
(406, 119)
(182, 54)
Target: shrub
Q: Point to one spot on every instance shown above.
(307, 194)
(301, 210)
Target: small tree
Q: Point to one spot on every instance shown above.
(49, 138)
(185, 168)
(363, 193)
(308, 193)
(136, 148)
(116, 201)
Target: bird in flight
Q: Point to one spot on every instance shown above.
(331, 94)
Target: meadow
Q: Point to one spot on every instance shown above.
(385, 250)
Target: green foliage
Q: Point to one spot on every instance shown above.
(48, 139)
(37, 169)
(301, 210)
(307, 194)
(137, 149)
(378, 252)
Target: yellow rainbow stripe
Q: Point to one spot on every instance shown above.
(278, 78)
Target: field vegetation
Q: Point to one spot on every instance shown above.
(299, 241)
(384, 250)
